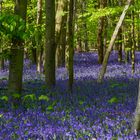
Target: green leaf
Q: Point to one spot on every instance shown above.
(54, 103)
(113, 100)
(127, 49)
(81, 102)
(50, 107)
(43, 97)
(1, 115)
(30, 96)
(118, 85)
(11, 28)
(16, 95)
(4, 98)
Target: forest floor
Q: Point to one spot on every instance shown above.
(93, 111)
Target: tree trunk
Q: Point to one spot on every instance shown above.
(1, 58)
(113, 38)
(33, 56)
(17, 53)
(136, 125)
(61, 21)
(50, 48)
(71, 43)
(120, 2)
(2, 64)
(138, 32)
(120, 45)
(100, 40)
(133, 42)
(63, 37)
(105, 35)
(39, 40)
(84, 6)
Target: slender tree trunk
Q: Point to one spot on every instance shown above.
(0, 6)
(33, 56)
(2, 64)
(127, 45)
(86, 38)
(71, 43)
(120, 38)
(138, 33)
(63, 37)
(100, 39)
(61, 21)
(136, 125)
(133, 42)
(50, 48)
(120, 45)
(105, 36)
(113, 38)
(1, 58)
(17, 53)
(39, 44)
(85, 42)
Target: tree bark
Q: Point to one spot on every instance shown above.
(39, 45)
(1, 58)
(100, 40)
(136, 124)
(61, 21)
(120, 45)
(133, 42)
(50, 48)
(71, 43)
(113, 38)
(17, 53)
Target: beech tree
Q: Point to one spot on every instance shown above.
(100, 36)
(61, 31)
(39, 39)
(50, 47)
(71, 43)
(17, 52)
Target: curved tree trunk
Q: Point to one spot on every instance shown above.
(113, 38)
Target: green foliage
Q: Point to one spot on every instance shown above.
(113, 100)
(43, 97)
(29, 101)
(108, 11)
(113, 85)
(12, 26)
(51, 106)
(1, 115)
(4, 98)
(29, 96)
(4, 101)
(127, 49)
(81, 102)
(16, 95)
